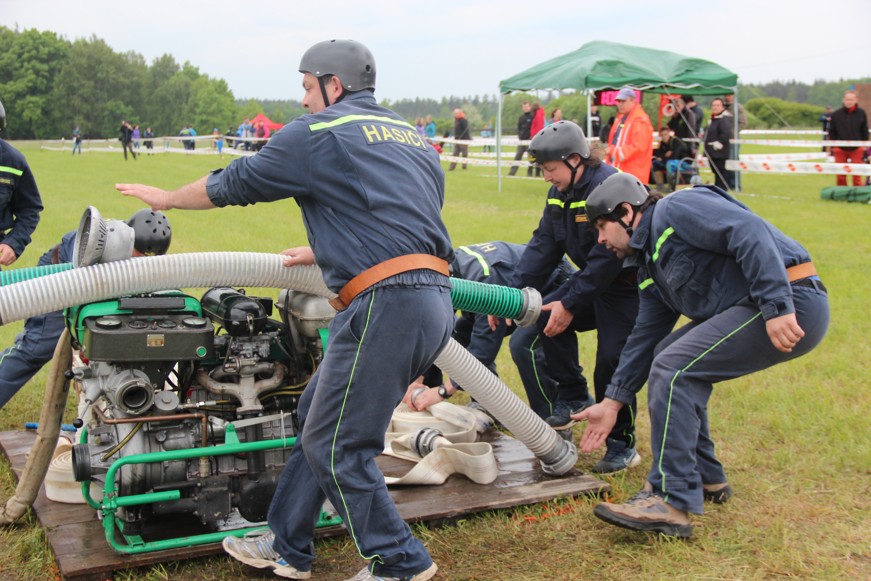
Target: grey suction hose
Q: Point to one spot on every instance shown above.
(149, 274)
(154, 273)
(556, 455)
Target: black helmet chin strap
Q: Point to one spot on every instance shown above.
(627, 227)
(574, 169)
(323, 87)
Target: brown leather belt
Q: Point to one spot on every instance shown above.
(384, 270)
(800, 271)
(55, 254)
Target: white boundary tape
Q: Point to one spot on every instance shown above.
(861, 169)
(802, 143)
(785, 156)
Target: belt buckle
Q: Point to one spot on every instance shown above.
(337, 304)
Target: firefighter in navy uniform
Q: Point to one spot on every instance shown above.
(602, 295)
(371, 191)
(34, 347)
(494, 263)
(754, 300)
(20, 202)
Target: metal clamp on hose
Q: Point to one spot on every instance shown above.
(531, 309)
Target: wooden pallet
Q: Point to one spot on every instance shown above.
(82, 553)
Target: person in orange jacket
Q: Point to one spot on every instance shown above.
(630, 142)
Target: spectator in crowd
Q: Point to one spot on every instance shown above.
(555, 115)
(849, 123)
(601, 296)
(698, 115)
(462, 133)
(825, 119)
(149, 143)
(35, 345)
(218, 141)
(593, 121)
(136, 135)
(683, 122)
(262, 135)
(20, 202)
(752, 299)
(127, 139)
(430, 128)
(630, 143)
(537, 125)
(718, 138)
(420, 125)
(494, 263)
(193, 133)
(666, 157)
(487, 133)
(77, 140)
(728, 102)
(524, 125)
(367, 201)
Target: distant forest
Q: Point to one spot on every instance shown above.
(49, 85)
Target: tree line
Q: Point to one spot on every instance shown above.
(50, 84)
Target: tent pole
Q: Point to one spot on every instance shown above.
(499, 143)
(589, 127)
(736, 147)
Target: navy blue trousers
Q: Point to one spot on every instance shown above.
(686, 365)
(612, 316)
(386, 338)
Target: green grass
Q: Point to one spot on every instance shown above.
(794, 439)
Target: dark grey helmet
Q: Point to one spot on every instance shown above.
(615, 190)
(349, 60)
(151, 230)
(2, 117)
(557, 142)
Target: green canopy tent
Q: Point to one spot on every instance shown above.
(601, 65)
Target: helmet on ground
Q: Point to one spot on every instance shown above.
(557, 142)
(617, 189)
(2, 117)
(152, 233)
(349, 60)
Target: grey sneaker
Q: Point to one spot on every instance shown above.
(255, 549)
(618, 457)
(366, 575)
(561, 418)
(717, 493)
(646, 512)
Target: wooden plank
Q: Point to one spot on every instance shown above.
(82, 553)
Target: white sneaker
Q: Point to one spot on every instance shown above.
(255, 549)
(365, 575)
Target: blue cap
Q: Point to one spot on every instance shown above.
(625, 93)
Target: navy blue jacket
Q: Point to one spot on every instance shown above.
(20, 202)
(564, 230)
(369, 186)
(700, 251)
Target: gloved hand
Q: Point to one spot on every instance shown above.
(716, 145)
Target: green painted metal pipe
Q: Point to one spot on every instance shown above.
(111, 500)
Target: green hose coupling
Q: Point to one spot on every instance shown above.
(22, 274)
(522, 305)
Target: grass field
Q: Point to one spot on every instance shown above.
(795, 439)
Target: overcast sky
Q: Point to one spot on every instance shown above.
(438, 48)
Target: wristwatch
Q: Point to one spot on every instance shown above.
(443, 393)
